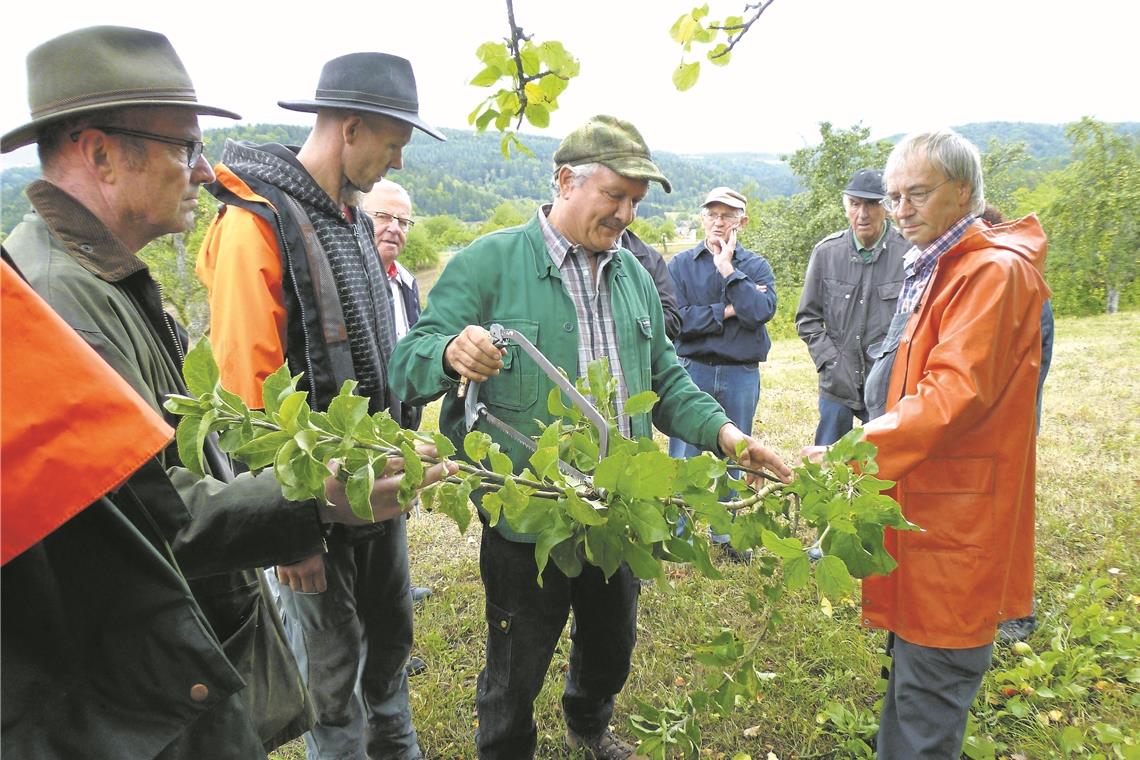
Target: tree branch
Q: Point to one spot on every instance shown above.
(736, 31)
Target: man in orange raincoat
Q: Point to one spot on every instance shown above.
(952, 395)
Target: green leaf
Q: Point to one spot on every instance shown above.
(545, 462)
(359, 490)
(641, 403)
(443, 446)
(182, 405)
(832, 577)
(347, 410)
(413, 475)
(260, 452)
(686, 75)
(486, 77)
(186, 437)
(538, 115)
(199, 369)
(547, 540)
(785, 548)
(555, 405)
(646, 519)
(604, 548)
(719, 56)
(476, 445)
(500, 462)
(643, 564)
(289, 416)
(275, 388)
(580, 511)
(797, 571)
(566, 557)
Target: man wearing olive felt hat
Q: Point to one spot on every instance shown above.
(563, 280)
(165, 666)
(294, 277)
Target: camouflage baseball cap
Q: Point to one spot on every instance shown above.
(613, 143)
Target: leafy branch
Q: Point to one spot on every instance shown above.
(693, 27)
(535, 74)
(638, 505)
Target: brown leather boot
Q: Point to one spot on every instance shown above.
(607, 746)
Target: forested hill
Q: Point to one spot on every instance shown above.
(467, 176)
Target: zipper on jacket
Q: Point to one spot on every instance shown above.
(169, 322)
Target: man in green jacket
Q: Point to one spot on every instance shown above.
(563, 281)
(122, 161)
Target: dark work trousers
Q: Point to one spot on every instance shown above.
(928, 699)
(524, 623)
(835, 421)
(351, 642)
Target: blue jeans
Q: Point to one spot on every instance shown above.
(736, 387)
(524, 622)
(351, 642)
(835, 420)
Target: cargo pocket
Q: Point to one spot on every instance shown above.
(499, 645)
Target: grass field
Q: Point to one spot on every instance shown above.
(1078, 692)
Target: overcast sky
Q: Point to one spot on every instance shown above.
(894, 65)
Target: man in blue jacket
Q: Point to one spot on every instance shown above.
(563, 281)
(727, 294)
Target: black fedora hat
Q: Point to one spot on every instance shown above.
(102, 67)
(371, 82)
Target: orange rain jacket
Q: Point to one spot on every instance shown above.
(959, 437)
(71, 429)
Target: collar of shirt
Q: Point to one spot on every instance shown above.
(558, 246)
(867, 252)
(918, 260)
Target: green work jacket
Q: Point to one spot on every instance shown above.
(508, 278)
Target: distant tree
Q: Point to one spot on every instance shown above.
(506, 214)
(1095, 220)
(999, 163)
(446, 231)
(421, 251)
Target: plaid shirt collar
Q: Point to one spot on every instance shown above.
(918, 263)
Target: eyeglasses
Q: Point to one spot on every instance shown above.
(193, 148)
(917, 199)
(383, 219)
(722, 217)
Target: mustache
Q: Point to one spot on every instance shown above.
(614, 223)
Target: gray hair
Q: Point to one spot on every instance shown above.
(955, 156)
(581, 172)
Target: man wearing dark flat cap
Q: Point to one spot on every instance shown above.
(562, 280)
(294, 276)
(134, 666)
(850, 291)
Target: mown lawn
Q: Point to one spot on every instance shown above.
(1078, 691)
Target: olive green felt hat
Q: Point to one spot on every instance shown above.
(613, 143)
(102, 67)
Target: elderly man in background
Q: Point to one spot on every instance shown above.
(121, 152)
(952, 398)
(563, 280)
(850, 292)
(294, 276)
(726, 295)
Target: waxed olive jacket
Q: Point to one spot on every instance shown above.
(222, 529)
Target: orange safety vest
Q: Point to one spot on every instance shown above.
(71, 429)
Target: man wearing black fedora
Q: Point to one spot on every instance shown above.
(134, 666)
(294, 276)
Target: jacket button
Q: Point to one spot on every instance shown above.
(866, 621)
(568, 327)
(503, 624)
(199, 692)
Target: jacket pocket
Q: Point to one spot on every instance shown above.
(516, 385)
(644, 333)
(952, 500)
(499, 623)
